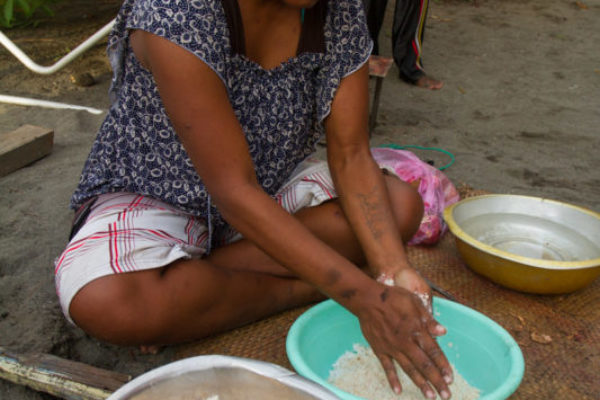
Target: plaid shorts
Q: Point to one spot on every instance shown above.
(126, 232)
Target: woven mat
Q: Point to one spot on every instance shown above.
(558, 335)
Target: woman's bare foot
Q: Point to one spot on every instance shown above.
(150, 349)
(427, 82)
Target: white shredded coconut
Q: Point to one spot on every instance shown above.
(389, 281)
(386, 279)
(424, 297)
(361, 374)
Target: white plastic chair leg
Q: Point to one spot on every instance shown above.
(46, 70)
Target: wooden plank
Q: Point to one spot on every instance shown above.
(59, 377)
(24, 146)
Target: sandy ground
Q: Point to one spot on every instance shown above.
(520, 110)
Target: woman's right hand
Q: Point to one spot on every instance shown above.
(398, 327)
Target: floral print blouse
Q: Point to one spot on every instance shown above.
(280, 110)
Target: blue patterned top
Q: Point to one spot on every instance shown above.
(281, 110)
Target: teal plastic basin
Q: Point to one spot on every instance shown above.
(483, 352)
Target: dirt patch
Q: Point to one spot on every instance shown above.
(519, 111)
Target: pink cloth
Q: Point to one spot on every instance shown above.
(435, 188)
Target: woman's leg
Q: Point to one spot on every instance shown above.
(187, 300)
(235, 285)
(329, 224)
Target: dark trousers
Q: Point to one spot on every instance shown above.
(408, 30)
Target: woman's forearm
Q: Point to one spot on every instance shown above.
(358, 180)
(284, 238)
(366, 202)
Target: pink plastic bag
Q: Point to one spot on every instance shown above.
(435, 188)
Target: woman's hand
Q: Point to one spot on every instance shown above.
(398, 327)
(409, 279)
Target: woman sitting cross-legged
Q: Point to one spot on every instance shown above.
(200, 209)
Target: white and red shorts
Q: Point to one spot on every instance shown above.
(126, 232)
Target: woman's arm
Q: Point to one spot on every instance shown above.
(366, 203)
(359, 180)
(394, 321)
(198, 106)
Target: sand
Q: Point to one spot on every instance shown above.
(520, 110)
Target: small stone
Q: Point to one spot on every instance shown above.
(540, 338)
(83, 79)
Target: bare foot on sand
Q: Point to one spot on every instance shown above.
(427, 82)
(150, 349)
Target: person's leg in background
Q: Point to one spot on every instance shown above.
(375, 11)
(407, 40)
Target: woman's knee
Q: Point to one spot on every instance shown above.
(407, 206)
(330, 223)
(143, 307)
(112, 308)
